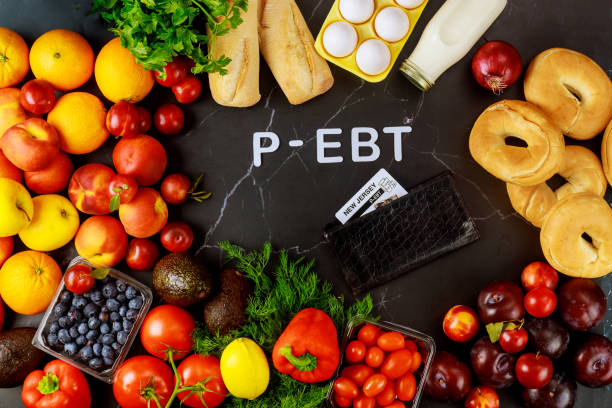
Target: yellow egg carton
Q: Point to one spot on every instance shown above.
(366, 31)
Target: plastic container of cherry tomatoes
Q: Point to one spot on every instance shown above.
(426, 346)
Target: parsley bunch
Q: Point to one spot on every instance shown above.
(156, 30)
(279, 293)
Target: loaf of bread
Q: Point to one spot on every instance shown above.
(240, 86)
(287, 45)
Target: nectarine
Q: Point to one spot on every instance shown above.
(30, 145)
(11, 112)
(88, 188)
(9, 170)
(145, 215)
(141, 157)
(101, 240)
(53, 178)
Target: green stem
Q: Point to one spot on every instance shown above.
(154, 398)
(177, 382)
(305, 362)
(48, 384)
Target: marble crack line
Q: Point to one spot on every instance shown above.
(344, 102)
(203, 121)
(296, 249)
(314, 10)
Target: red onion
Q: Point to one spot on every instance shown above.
(496, 65)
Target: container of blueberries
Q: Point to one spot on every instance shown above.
(94, 331)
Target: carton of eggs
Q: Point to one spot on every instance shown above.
(365, 37)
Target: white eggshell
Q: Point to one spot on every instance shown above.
(391, 24)
(373, 57)
(356, 11)
(410, 3)
(340, 39)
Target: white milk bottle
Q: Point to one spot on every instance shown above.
(450, 34)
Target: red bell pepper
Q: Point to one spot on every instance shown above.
(308, 348)
(59, 385)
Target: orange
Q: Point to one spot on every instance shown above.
(28, 281)
(62, 57)
(119, 76)
(80, 121)
(14, 64)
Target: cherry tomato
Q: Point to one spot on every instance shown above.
(358, 373)
(145, 119)
(139, 376)
(539, 274)
(368, 334)
(391, 341)
(482, 397)
(397, 364)
(387, 395)
(540, 302)
(374, 356)
(188, 89)
(176, 237)
(123, 120)
(410, 345)
(37, 96)
(167, 327)
(142, 253)
(396, 404)
(169, 119)
(460, 323)
(374, 385)
(513, 341)
(355, 351)
(175, 187)
(342, 402)
(124, 186)
(534, 370)
(346, 388)
(175, 71)
(405, 387)
(203, 372)
(363, 401)
(78, 279)
(416, 361)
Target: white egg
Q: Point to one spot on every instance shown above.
(373, 57)
(357, 11)
(339, 39)
(410, 3)
(391, 24)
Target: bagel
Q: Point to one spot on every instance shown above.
(525, 166)
(572, 89)
(606, 152)
(562, 239)
(582, 170)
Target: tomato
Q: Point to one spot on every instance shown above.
(204, 373)
(176, 237)
(482, 397)
(346, 388)
(342, 402)
(58, 385)
(167, 327)
(460, 323)
(355, 351)
(387, 395)
(175, 71)
(123, 120)
(391, 341)
(539, 274)
(534, 370)
(169, 119)
(122, 186)
(188, 89)
(37, 96)
(363, 401)
(374, 385)
(368, 334)
(142, 253)
(396, 404)
(405, 387)
(145, 119)
(78, 279)
(513, 341)
(374, 357)
(358, 373)
(175, 187)
(139, 378)
(410, 345)
(397, 363)
(540, 302)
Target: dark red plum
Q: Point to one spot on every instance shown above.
(582, 304)
(493, 366)
(593, 361)
(500, 302)
(559, 393)
(449, 379)
(548, 337)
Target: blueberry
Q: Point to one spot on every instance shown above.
(106, 280)
(97, 349)
(93, 323)
(86, 353)
(79, 301)
(95, 363)
(109, 290)
(96, 296)
(92, 335)
(105, 328)
(127, 325)
(83, 328)
(71, 349)
(117, 326)
(74, 332)
(54, 328)
(121, 298)
(135, 303)
(60, 309)
(113, 305)
(52, 339)
(121, 285)
(104, 308)
(63, 336)
(86, 295)
(108, 339)
(114, 316)
(107, 352)
(81, 341)
(131, 314)
(123, 310)
(65, 297)
(103, 316)
(116, 346)
(90, 310)
(108, 362)
(63, 322)
(74, 316)
(131, 292)
(122, 337)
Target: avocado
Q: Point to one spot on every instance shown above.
(225, 311)
(181, 280)
(18, 357)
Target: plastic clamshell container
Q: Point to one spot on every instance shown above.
(366, 31)
(106, 374)
(425, 344)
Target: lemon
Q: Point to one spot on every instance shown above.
(245, 369)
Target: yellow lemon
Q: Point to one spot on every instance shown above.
(245, 369)
(16, 207)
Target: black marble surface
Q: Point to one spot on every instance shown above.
(290, 198)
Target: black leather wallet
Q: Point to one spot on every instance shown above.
(426, 223)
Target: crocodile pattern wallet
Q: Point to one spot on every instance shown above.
(426, 223)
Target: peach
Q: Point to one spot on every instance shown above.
(145, 215)
(31, 144)
(88, 188)
(53, 178)
(9, 170)
(141, 157)
(101, 240)
(6, 250)
(11, 112)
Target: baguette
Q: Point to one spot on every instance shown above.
(287, 45)
(240, 86)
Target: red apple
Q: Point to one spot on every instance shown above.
(11, 112)
(88, 188)
(101, 240)
(9, 170)
(141, 157)
(6, 250)
(53, 178)
(31, 144)
(145, 215)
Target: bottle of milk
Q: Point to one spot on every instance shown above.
(448, 37)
